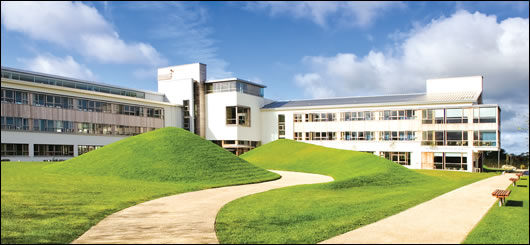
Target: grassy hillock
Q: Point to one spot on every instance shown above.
(367, 188)
(165, 155)
(57, 202)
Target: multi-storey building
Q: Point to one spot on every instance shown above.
(50, 117)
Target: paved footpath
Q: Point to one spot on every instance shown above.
(183, 218)
(445, 219)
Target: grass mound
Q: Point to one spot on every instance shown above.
(165, 155)
(367, 188)
(343, 165)
(57, 202)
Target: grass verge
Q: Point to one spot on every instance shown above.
(366, 189)
(508, 224)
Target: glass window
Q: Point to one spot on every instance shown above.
(455, 115)
(488, 115)
(231, 115)
(427, 116)
(281, 126)
(439, 116)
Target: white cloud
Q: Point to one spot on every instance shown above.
(76, 26)
(463, 44)
(50, 64)
(359, 14)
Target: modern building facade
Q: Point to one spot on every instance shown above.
(48, 117)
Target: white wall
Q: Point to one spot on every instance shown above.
(454, 84)
(216, 127)
(195, 71)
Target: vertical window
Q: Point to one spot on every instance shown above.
(281, 126)
(231, 115)
(439, 116)
(427, 117)
(243, 116)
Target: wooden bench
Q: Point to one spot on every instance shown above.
(514, 180)
(501, 195)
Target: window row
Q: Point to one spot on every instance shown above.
(14, 123)
(82, 149)
(356, 116)
(45, 150)
(13, 96)
(234, 86)
(320, 136)
(53, 150)
(64, 102)
(363, 135)
(450, 160)
(429, 116)
(15, 150)
(459, 138)
(459, 115)
(397, 135)
(429, 138)
(57, 126)
(320, 117)
(447, 138)
(360, 135)
(397, 115)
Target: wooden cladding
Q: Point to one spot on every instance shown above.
(49, 113)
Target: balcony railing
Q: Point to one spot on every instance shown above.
(444, 143)
(485, 143)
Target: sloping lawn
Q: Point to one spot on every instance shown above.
(58, 202)
(366, 189)
(508, 224)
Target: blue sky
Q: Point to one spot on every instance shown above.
(299, 50)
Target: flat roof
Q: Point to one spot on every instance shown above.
(420, 98)
(235, 79)
(76, 80)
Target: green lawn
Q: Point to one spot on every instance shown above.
(57, 202)
(508, 224)
(366, 189)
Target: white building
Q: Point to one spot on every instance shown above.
(50, 117)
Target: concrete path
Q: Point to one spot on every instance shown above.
(183, 218)
(445, 219)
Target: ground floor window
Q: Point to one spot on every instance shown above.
(297, 136)
(321, 136)
(53, 150)
(402, 158)
(450, 160)
(15, 150)
(82, 149)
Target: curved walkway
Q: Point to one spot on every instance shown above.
(183, 218)
(444, 219)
